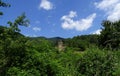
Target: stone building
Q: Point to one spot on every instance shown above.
(60, 45)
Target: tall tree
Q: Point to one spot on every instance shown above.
(110, 35)
(12, 43)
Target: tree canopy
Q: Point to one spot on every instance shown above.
(110, 35)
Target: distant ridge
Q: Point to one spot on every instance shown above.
(53, 39)
(56, 38)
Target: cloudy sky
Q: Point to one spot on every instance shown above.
(63, 18)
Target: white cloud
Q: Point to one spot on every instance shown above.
(36, 29)
(111, 7)
(46, 5)
(97, 31)
(79, 25)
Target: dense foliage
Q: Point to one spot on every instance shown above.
(81, 55)
(80, 43)
(110, 35)
(97, 63)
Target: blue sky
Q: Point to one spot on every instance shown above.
(63, 18)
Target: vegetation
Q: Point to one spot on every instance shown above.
(86, 55)
(110, 34)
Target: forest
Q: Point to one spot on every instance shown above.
(83, 55)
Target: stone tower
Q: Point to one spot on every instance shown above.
(60, 45)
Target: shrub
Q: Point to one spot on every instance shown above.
(97, 63)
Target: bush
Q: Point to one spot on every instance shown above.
(97, 63)
(15, 71)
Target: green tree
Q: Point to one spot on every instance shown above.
(110, 35)
(12, 44)
(20, 21)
